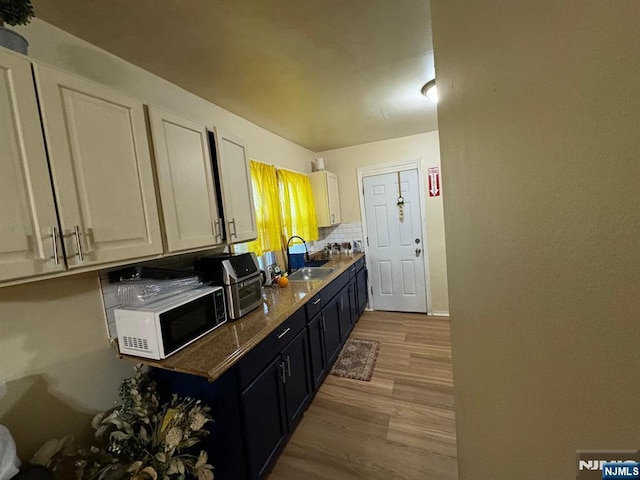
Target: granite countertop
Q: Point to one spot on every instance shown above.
(215, 353)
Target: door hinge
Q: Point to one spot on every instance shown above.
(367, 241)
(371, 288)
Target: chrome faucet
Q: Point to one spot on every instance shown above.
(306, 252)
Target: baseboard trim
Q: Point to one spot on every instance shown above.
(440, 313)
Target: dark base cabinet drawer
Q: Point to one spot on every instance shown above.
(254, 361)
(334, 287)
(314, 305)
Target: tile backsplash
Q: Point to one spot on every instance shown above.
(345, 232)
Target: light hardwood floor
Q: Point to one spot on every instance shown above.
(401, 425)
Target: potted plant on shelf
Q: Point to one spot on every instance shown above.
(14, 12)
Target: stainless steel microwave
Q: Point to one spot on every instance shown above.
(161, 328)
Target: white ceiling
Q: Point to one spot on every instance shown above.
(321, 73)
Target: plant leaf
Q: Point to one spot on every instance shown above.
(45, 453)
(118, 435)
(97, 420)
(134, 467)
(173, 467)
(151, 473)
(205, 474)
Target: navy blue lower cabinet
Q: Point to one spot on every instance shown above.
(317, 355)
(344, 313)
(353, 303)
(361, 285)
(258, 402)
(331, 320)
(273, 404)
(265, 422)
(297, 381)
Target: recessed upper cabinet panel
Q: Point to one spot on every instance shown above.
(237, 194)
(185, 177)
(326, 197)
(28, 223)
(101, 170)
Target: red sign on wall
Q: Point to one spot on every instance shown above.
(434, 182)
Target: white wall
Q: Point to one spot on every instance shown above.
(54, 354)
(539, 128)
(344, 162)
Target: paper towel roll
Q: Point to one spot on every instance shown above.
(320, 163)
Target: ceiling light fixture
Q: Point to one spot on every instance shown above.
(431, 91)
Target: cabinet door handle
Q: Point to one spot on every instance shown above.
(324, 324)
(216, 229)
(233, 221)
(341, 304)
(284, 333)
(54, 244)
(283, 376)
(317, 301)
(289, 365)
(76, 233)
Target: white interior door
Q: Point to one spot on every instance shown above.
(395, 245)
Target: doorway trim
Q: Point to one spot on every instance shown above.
(392, 168)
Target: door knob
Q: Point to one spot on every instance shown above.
(418, 252)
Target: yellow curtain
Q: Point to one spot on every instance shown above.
(266, 202)
(297, 206)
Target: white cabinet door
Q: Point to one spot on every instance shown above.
(28, 222)
(326, 198)
(237, 193)
(334, 198)
(185, 178)
(101, 170)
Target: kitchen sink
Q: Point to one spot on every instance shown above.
(310, 273)
(315, 263)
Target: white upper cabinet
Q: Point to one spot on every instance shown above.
(101, 170)
(237, 193)
(28, 223)
(326, 197)
(185, 178)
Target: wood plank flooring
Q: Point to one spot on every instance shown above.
(399, 426)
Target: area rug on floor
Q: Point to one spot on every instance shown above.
(357, 359)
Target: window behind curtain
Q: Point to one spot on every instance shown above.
(267, 205)
(284, 206)
(296, 205)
